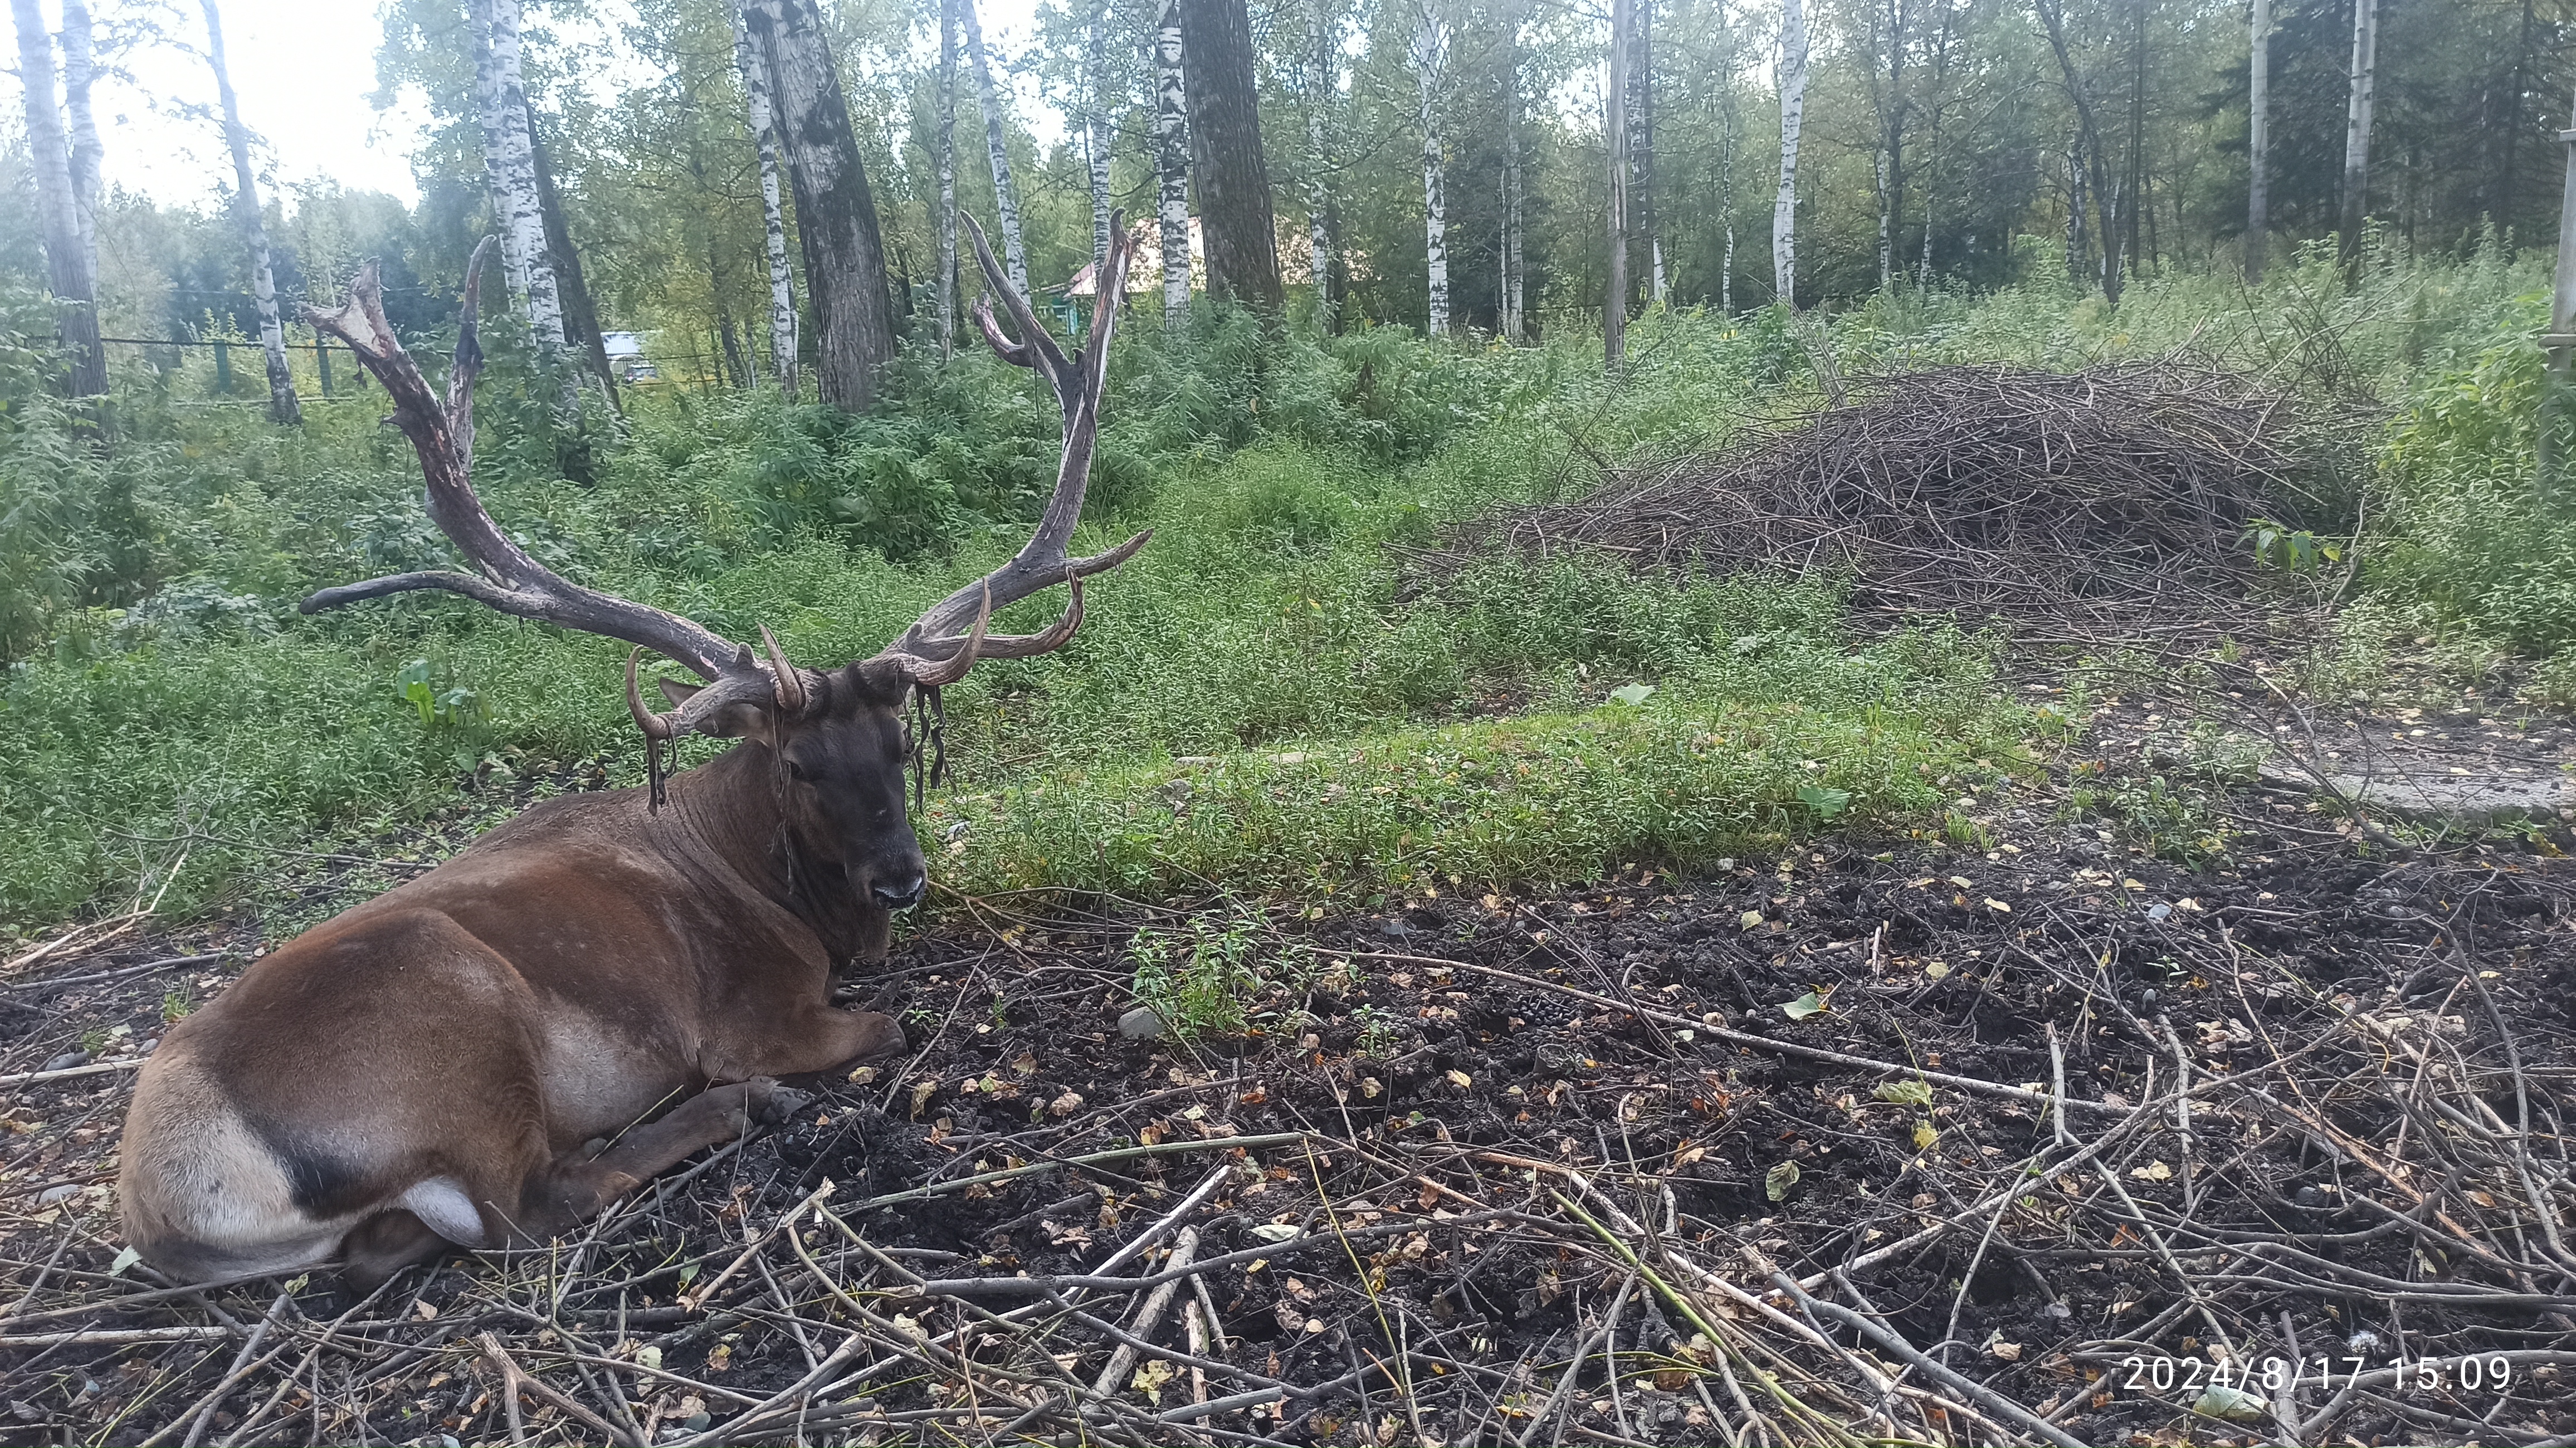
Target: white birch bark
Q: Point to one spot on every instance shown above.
(523, 225)
(947, 179)
(1095, 132)
(80, 71)
(68, 271)
(763, 117)
(2356, 138)
(1513, 328)
(1006, 195)
(1726, 208)
(1886, 225)
(1614, 133)
(1321, 39)
(1793, 106)
(1172, 160)
(2258, 200)
(1430, 48)
(282, 407)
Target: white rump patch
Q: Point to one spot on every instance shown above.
(443, 1205)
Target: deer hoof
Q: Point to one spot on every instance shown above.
(766, 1103)
(878, 1035)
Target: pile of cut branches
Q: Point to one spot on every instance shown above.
(2119, 495)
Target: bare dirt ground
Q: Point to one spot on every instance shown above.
(2034, 1136)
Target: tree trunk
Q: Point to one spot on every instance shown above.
(1430, 48)
(581, 314)
(2106, 197)
(523, 224)
(80, 70)
(68, 270)
(1321, 40)
(282, 408)
(1726, 205)
(764, 137)
(1614, 130)
(2356, 136)
(1793, 106)
(1514, 324)
(1641, 146)
(947, 179)
(2258, 200)
(1886, 229)
(2077, 248)
(1236, 223)
(737, 368)
(1172, 160)
(1096, 137)
(836, 218)
(1006, 194)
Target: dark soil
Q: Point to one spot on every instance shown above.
(1459, 1074)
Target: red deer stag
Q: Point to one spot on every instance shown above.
(444, 1063)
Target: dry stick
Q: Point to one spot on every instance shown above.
(1758, 1043)
(112, 1337)
(510, 1372)
(694, 1301)
(30, 1078)
(204, 1410)
(1888, 1341)
(1574, 1365)
(1124, 1153)
(1185, 1249)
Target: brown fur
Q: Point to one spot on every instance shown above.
(462, 1044)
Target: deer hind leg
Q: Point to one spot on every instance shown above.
(386, 1243)
(580, 1183)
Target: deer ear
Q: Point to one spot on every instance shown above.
(678, 693)
(739, 721)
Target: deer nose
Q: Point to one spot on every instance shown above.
(903, 896)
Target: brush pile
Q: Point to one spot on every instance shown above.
(2119, 494)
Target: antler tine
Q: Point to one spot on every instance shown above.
(506, 578)
(1049, 359)
(1041, 563)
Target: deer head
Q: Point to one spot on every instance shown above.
(837, 736)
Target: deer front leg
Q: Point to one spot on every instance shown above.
(578, 1185)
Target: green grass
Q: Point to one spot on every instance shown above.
(168, 716)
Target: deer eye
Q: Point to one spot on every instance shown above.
(795, 770)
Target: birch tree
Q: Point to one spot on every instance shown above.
(947, 179)
(836, 216)
(523, 223)
(763, 120)
(2356, 136)
(80, 72)
(1430, 50)
(1096, 134)
(1172, 160)
(2258, 106)
(1513, 328)
(1323, 36)
(1641, 146)
(69, 271)
(1006, 195)
(2088, 165)
(1614, 130)
(1793, 107)
(282, 407)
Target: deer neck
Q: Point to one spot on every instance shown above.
(732, 809)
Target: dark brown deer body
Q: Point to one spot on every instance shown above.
(467, 1058)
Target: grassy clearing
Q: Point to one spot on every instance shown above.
(166, 712)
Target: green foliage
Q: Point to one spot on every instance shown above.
(1208, 977)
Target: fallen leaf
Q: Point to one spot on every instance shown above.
(1936, 970)
(1778, 1180)
(1751, 920)
(2233, 1404)
(1803, 1007)
(2154, 1171)
(1962, 881)
(1633, 694)
(2008, 1351)
(1065, 1105)
(1274, 1231)
(1925, 1133)
(124, 1259)
(1027, 1065)
(1914, 1092)
(1461, 1080)
(921, 1095)
(1998, 906)
(1150, 1378)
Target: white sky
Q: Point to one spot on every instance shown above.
(304, 71)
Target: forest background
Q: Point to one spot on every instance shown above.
(1778, 200)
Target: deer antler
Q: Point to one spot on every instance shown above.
(442, 433)
(932, 652)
